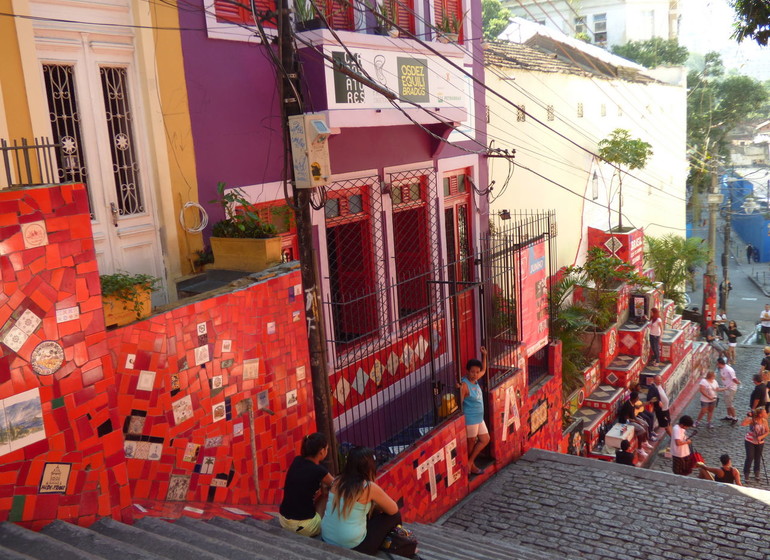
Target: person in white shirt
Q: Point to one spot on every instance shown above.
(680, 446)
(764, 319)
(708, 388)
(730, 384)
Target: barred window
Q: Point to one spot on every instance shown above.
(521, 115)
(580, 110)
(549, 112)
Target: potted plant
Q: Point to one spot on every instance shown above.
(203, 257)
(384, 14)
(242, 241)
(305, 17)
(126, 297)
(449, 27)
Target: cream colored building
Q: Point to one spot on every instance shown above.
(104, 82)
(572, 96)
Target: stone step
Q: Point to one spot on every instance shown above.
(93, 542)
(241, 540)
(10, 554)
(443, 543)
(35, 545)
(157, 545)
(274, 534)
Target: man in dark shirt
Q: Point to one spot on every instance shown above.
(765, 365)
(759, 394)
(623, 456)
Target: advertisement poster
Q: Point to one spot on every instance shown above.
(534, 298)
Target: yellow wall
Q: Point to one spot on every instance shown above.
(164, 70)
(15, 106)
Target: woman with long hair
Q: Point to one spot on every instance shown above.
(732, 340)
(755, 440)
(305, 488)
(656, 331)
(359, 514)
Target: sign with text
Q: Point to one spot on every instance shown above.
(534, 300)
(420, 78)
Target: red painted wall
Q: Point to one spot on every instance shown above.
(186, 379)
(432, 477)
(79, 397)
(55, 366)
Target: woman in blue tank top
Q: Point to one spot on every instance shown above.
(349, 521)
(473, 409)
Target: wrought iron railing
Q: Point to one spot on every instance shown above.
(25, 164)
(501, 259)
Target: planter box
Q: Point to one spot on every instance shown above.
(249, 255)
(602, 345)
(623, 371)
(119, 312)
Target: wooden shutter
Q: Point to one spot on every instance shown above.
(403, 14)
(451, 8)
(239, 11)
(340, 15)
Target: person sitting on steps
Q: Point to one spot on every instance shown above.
(726, 474)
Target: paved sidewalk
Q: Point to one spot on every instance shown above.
(724, 437)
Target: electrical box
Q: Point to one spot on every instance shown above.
(309, 136)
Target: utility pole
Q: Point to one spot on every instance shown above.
(290, 91)
(709, 278)
(726, 255)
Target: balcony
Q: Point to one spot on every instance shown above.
(25, 164)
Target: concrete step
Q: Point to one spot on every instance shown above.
(10, 554)
(443, 543)
(93, 542)
(35, 545)
(157, 545)
(275, 535)
(219, 541)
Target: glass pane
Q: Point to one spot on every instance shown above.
(395, 195)
(65, 124)
(414, 191)
(446, 186)
(332, 208)
(462, 183)
(355, 204)
(125, 167)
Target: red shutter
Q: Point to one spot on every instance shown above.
(403, 14)
(451, 8)
(340, 15)
(239, 11)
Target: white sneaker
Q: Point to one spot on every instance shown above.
(641, 453)
(646, 446)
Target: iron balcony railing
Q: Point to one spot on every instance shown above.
(25, 164)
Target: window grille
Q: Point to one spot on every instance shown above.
(521, 115)
(580, 110)
(549, 111)
(122, 142)
(600, 29)
(65, 124)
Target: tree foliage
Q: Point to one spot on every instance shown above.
(495, 18)
(653, 52)
(672, 257)
(622, 150)
(715, 105)
(752, 20)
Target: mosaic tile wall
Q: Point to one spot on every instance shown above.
(545, 433)
(61, 448)
(212, 389)
(431, 478)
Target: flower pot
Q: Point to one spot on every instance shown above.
(119, 311)
(310, 24)
(249, 255)
(447, 37)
